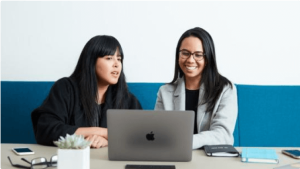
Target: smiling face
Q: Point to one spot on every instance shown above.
(108, 69)
(191, 68)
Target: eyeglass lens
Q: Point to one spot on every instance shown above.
(39, 163)
(54, 161)
(197, 55)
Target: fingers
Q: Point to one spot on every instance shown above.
(97, 141)
(91, 138)
(102, 143)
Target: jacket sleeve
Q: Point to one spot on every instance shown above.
(159, 105)
(51, 120)
(222, 121)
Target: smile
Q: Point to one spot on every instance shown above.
(115, 73)
(191, 67)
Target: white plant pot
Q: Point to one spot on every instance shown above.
(73, 158)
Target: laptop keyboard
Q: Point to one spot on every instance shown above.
(150, 167)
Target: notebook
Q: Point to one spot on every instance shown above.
(259, 155)
(221, 151)
(144, 135)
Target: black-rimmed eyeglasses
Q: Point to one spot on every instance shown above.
(37, 163)
(184, 54)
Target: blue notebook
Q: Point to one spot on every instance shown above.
(258, 155)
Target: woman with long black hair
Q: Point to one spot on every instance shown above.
(197, 85)
(78, 104)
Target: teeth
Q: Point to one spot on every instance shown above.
(191, 68)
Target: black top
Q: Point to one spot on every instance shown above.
(62, 113)
(191, 103)
(102, 115)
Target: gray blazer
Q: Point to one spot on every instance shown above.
(213, 128)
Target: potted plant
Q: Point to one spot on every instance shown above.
(73, 152)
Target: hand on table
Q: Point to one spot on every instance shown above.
(97, 141)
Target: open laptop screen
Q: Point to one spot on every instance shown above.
(144, 135)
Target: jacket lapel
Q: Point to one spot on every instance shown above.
(179, 100)
(179, 95)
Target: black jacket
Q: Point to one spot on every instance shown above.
(62, 112)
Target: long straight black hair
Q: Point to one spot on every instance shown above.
(85, 76)
(213, 81)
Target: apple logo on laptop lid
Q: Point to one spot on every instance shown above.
(150, 136)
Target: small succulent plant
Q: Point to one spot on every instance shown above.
(72, 142)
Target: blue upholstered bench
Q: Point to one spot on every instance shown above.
(268, 116)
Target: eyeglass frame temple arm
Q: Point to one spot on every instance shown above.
(17, 165)
(26, 161)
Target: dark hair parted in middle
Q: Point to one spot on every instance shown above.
(213, 81)
(85, 75)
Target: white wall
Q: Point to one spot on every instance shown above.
(256, 42)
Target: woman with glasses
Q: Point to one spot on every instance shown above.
(197, 85)
(78, 104)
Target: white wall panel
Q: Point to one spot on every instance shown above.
(256, 42)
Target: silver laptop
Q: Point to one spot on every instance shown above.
(144, 135)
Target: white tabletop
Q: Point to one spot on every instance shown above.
(99, 159)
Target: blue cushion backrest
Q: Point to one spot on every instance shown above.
(269, 116)
(18, 100)
(146, 93)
